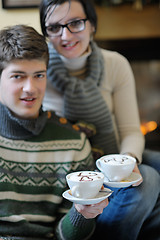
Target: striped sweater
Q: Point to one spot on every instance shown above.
(32, 178)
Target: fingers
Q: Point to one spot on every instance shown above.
(136, 169)
(137, 183)
(91, 211)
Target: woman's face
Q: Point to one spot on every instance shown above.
(70, 45)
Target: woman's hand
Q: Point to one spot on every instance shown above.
(136, 169)
(93, 210)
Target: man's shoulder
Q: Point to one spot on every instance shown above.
(60, 128)
(57, 131)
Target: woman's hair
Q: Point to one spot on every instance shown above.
(21, 42)
(87, 5)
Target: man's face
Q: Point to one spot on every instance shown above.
(22, 87)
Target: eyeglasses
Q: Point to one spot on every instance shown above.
(75, 26)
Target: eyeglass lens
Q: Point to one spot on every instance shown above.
(74, 27)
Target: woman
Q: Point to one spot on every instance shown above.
(97, 86)
(111, 88)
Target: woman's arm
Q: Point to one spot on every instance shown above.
(123, 103)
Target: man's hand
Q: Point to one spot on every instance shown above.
(91, 211)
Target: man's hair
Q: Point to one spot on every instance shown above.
(21, 42)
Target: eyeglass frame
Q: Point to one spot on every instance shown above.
(66, 26)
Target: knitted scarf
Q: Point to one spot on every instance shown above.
(20, 129)
(83, 99)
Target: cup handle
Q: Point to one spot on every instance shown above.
(98, 164)
(75, 191)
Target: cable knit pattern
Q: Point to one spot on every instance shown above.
(16, 128)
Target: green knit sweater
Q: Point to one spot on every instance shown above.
(32, 177)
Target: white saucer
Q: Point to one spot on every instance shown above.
(100, 197)
(133, 178)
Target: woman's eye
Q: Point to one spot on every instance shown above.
(75, 23)
(54, 28)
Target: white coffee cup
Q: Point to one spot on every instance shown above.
(85, 184)
(116, 167)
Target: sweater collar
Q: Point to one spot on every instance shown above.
(76, 64)
(20, 129)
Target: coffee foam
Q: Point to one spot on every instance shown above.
(118, 161)
(85, 176)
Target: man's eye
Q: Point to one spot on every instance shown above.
(40, 75)
(16, 76)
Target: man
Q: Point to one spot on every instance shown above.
(37, 149)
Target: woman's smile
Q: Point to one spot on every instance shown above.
(68, 44)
